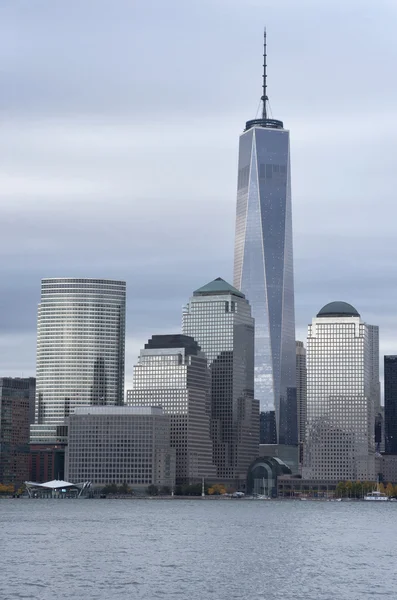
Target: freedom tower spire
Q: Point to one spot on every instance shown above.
(264, 84)
(263, 264)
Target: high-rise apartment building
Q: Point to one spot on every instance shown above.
(390, 404)
(301, 390)
(340, 410)
(80, 348)
(219, 318)
(172, 373)
(16, 400)
(120, 444)
(263, 263)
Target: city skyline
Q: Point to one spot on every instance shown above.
(93, 153)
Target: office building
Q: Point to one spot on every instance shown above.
(301, 393)
(340, 410)
(172, 373)
(218, 317)
(16, 400)
(120, 444)
(267, 427)
(390, 404)
(263, 263)
(80, 347)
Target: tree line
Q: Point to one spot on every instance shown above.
(358, 489)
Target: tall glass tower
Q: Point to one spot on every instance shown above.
(80, 347)
(263, 263)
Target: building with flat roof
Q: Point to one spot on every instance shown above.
(390, 404)
(172, 372)
(120, 444)
(301, 392)
(80, 346)
(16, 403)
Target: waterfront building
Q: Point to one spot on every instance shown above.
(218, 317)
(263, 474)
(16, 402)
(172, 372)
(263, 263)
(390, 404)
(340, 410)
(80, 347)
(120, 444)
(295, 487)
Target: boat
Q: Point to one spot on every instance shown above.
(376, 495)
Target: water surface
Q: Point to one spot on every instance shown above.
(197, 550)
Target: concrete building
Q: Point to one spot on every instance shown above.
(263, 263)
(340, 410)
(120, 444)
(172, 373)
(218, 317)
(16, 402)
(390, 404)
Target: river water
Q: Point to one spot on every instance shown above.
(197, 550)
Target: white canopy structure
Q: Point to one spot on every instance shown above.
(56, 485)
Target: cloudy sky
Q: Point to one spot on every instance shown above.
(118, 152)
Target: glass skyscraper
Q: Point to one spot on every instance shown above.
(391, 404)
(219, 318)
(263, 263)
(80, 347)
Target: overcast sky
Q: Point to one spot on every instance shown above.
(118, 152)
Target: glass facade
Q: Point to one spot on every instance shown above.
(119, 444)
(391, 404)
(172, 373)
(16, 399)
(219, 318)
(301, 390)
(80, 346)
(340, 410)
(263, 267)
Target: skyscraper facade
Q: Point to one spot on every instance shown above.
(391, 404)
(339, 441)
(263, 263)
(172, 373)
(16, 399)
(120, 444)
(301, 390)
(219, 318)
(80, 346)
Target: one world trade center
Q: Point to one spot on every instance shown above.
(263, 266)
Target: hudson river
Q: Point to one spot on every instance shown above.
(197, 550)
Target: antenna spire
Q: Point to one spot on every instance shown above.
(264, 85)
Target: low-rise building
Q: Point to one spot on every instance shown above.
(120, 444)
(296, 487)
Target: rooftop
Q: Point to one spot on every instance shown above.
(338, 309)
(218, 287)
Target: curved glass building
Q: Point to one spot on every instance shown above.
(80, 346)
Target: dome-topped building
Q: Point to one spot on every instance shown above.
(338, 309)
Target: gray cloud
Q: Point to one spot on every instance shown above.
(118, 152)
